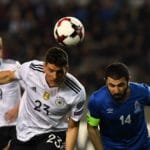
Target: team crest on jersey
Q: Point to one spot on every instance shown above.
(46, 95)
(137, 106)
(60, 101)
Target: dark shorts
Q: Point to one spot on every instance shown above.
(48, 141)
(146, 146)
(6, 135)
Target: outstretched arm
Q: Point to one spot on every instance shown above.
(6, 76)
(72, 134)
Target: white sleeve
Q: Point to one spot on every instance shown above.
(22, 71)
(78, 107)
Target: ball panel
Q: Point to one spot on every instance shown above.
(71, 41)
(65, 28)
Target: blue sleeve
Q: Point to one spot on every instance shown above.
(147, 94)
(149, 91)
(92, 107)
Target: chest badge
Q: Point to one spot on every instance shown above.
(137, 106)
(46, 96)
(60, 102)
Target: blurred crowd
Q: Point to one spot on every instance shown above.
(115, 30)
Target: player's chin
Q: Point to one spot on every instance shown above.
(117, 97)
(55, 84)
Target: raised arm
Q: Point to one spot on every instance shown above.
(7, 76)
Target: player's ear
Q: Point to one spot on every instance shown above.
(66, 68)
(129, 78)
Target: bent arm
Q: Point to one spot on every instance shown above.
(7, 76)
(95, 137)
(72, 134)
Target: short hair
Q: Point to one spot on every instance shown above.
(117, 71)
(56, 56)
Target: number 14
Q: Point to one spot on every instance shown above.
(125, 120)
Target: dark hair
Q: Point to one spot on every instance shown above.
(117, 71)
(56, 56)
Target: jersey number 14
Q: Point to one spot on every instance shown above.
(125, 120)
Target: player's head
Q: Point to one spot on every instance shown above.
(1, 47)
(56, 66)
(57, 56)
(117, 78)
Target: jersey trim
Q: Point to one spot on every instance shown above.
(71, 84)
(36, 67)
(92, 121)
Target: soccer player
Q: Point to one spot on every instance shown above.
(52, 105)
(10, 95)
(116, 119)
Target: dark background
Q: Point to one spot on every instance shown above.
(115, 30)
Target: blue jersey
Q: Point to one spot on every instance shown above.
(122, 124)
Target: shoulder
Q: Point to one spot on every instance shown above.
(100, 93)
(139, 88)
(97, 100)
(34, 62)
(99, 97)
(10, 61)
(35, 65)
(9, 64)
(73, 83)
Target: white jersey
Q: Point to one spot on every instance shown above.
(44, 109)
(10, 93)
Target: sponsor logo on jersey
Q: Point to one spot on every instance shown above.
(109, 110)
(33, 89)
(137, 106)
(46, 96)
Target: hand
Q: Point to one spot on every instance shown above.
(11, 115)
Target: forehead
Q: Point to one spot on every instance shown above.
(116, 81)
(53, 66)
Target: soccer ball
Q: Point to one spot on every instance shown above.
(69, 31)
